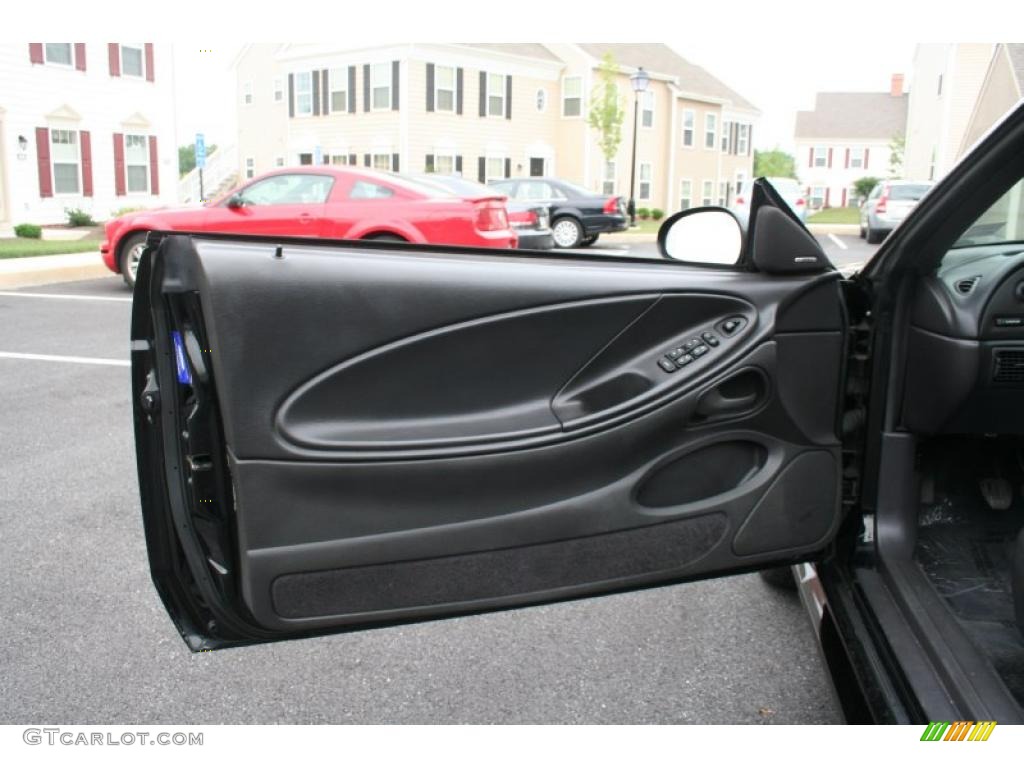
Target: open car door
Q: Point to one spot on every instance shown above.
(332, 435)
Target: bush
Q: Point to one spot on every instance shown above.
(29, 230)
(127, 209)
(79, 218)
(644, 213)
(863, 186)
(657, 214)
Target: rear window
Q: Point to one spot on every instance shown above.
(459, 186)
(907, 191)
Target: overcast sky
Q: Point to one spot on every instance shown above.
(778, 79)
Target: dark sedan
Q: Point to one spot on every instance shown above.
(578, 216)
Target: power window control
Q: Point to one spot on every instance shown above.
(685, 359)
(688, 346)
(710, 339)
(700, 351)
(675, 353)
(666, 365)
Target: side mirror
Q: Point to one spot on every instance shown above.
(707, 235)
(236, 201)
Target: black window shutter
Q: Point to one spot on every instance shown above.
(351, 159)
(325, 84)
(508, 167)
(429, 165)
(458, 163)
(366, 88)
(366, 160)
(483, 94)
(508, 98)
(394, 162)
(750, 140)
(352, 90)
(482, 170)
(291, 95)
(394, 86)
(316, 91)
(430, 88)
(458, 91)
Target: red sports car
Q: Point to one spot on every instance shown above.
(325, 202)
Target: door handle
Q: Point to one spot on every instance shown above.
(305, 218)
(737, 394)
(715, 403)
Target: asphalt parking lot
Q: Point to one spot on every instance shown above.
(86, 639)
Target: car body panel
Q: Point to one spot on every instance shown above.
(565, 199)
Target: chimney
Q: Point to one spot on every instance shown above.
(896, 87)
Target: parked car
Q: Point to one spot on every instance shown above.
(324, 202)
(887, 205)
(789, 189)
(333, 441)
(578, 216)
(531, 221)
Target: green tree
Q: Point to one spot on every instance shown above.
(897, 147)
(606, 109)
(187, 157)
(774, 163)
(864, 186)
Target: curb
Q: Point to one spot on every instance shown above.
(629, 237)
(59, 268)
(834, 229)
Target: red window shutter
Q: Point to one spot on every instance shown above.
(866, 150)
(114, 55)
(154, 171)
(846, 164)
(80, 57)
(830, 157)
(119, 186)
(86, 142)
(810, 157)
(827, 190)
(844, 194)
(35, 53)
(43, 160)
(149, 62)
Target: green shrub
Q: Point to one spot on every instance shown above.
(644, 213)
(657, 214)
(79, 218)
(29, 230)
(127, 209)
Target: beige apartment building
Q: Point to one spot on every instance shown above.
(491, 111)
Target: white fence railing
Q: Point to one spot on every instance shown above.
(221, 164)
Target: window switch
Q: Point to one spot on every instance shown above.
(675, 353)
(700, 351)
(688, 346)
(684, 360)
(710, 339)
(666, 365)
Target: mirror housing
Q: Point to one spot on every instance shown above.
(235, 201)
(708, 236)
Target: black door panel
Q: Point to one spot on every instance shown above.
(412, 433)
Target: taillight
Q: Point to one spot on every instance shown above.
(611, 205)
(491, 216)
(523, 218)
(883, 201)
(739, 200)
(800, 201)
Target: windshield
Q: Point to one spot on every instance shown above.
(1003, 222)
(908, 191)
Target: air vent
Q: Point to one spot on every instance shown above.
(1009, 366)
(966, 285)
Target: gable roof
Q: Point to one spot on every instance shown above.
(658, 57)
(532, 50)
(853, 116)
(1015, 53)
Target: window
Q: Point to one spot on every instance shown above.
(278, 90)
(305, 158)
(645, 181)
(131, 61)
(608, 183)
(851, 197)
(938, 91)
(647, 109)
(856, 157)
(367, 190)
(279, 162)
(380, 85)
(931, 166)
(820, 157)
(685, 194)
(689, 119)
(338, 79)
(723, 192)
(726, 135)
(381, 161)
(1003, 222)
(541, 99)
(572, 96)
(444, 89)
(136, 163)
(288, 189)
(247, 92)
(496, 95)
(250, 167)
(706, 192)
(58, 53)
(303, 94)
(64, 156)
(710, 130)
(741, 183)
(494, 168)
(444, 164)
(742, 138)
(817, 197)
(536, 190)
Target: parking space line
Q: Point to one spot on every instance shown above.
(838, 242)
(65, 359)
(77, 297)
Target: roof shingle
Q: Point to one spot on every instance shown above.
(853, 116)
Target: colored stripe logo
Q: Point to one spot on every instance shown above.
(961, 730)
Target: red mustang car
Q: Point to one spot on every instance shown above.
(323, 202)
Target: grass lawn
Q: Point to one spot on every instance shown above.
(16, 247)
(846, 215)
(648, 227)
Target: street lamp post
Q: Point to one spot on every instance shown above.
(639, 80)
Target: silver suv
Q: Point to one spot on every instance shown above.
(887, 205)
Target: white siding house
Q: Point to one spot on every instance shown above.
(87, 126)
